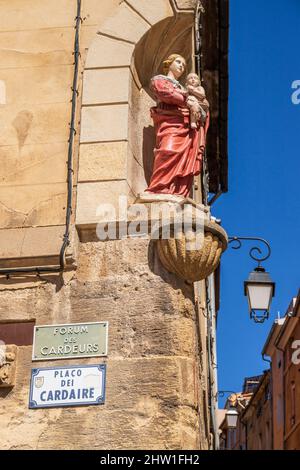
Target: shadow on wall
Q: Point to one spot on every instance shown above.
(172, 35)
(148, 151)
(173, 280)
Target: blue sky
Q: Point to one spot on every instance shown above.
(264, 175)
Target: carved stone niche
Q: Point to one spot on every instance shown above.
(190, 258)
(8, 354)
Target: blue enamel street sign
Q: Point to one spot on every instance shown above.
(67, 386)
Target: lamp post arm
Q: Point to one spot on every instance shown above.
(222, 393)
(254, 249)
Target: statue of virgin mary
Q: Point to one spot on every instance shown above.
(179, 149)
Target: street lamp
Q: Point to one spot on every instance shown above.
(259, 288)
(231, 418)
(231, 415)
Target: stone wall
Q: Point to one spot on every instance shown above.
(153, 397)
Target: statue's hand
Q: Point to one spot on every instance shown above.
(190, 88)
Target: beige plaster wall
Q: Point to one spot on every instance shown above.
(36, 73)
(36, 42)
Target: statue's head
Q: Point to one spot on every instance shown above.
(193, 79)
(176, 64)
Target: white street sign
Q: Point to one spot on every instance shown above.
(67, 386)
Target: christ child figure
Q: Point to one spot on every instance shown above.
(197, 102)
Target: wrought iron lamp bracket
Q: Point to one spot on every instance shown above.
(254, 249)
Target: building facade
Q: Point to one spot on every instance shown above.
(268, 416)
(253, 430)
(76, 135)
(282, 346)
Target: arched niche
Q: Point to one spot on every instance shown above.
(117, 139)
(166, 37)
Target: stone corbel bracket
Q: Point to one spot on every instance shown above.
(193, 259)
(8, 360)
(189, 241)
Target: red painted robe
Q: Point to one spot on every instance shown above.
(179, 149)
